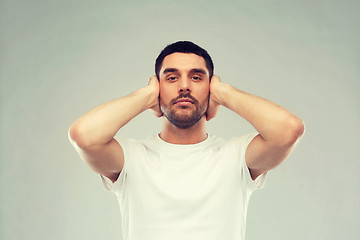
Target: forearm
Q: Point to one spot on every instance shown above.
(99, 126)
(273, 122)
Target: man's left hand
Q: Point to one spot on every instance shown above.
(214, 104)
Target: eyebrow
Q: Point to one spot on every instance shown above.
(168, 70)
(194, 70)
(198, 70)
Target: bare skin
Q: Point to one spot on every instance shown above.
(279, 130)
(184, 73)
(93, 134)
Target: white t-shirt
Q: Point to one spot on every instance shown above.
(184, 192)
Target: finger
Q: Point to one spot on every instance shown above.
(152, 79)
(215, 78)
(212, 110)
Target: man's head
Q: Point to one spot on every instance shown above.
(184, 71)
(184, 47)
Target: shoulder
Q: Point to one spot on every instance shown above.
(133, 143)
(131, 146)
(241, 143)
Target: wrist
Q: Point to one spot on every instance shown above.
(219, 93)
(150, 96)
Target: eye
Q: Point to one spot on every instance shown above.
(196, 78)
(171, 78)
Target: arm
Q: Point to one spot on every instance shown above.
(92, 135)
(279, 129)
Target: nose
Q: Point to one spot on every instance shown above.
(184, 85)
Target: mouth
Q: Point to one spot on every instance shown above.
(184, 102)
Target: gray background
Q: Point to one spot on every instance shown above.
(59, 59)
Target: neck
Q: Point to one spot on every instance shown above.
(191, 135)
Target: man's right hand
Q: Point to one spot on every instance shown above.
(92, 134)
(153, 85)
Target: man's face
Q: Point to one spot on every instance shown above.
(184, 88)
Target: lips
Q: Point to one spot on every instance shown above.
(184, 100)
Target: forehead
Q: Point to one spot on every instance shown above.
(183, 62)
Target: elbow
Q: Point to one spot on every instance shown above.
(298, 128)
(290, 132)
(294, 130)
(77, 136)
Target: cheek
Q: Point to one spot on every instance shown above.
(162, 90)
(203, 92)
(165, 93)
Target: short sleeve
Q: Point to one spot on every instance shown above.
(118, 185)
(242, 144)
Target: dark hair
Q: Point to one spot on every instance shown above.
(184, 47)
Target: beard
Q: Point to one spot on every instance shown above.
(184, 116)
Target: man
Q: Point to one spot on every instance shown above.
(184, 183)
